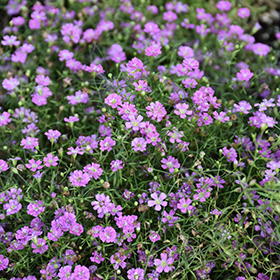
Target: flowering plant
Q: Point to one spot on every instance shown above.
(138, 141)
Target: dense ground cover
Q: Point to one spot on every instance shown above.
(138, 141)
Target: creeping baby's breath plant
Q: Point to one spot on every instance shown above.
(138, 140)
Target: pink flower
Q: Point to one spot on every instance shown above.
(107, 144)
(186, 52)
(158, 201)
(169, 16)
(10, 84)
(35, 209)
(170, 163)
(33, 166)
(190, 64)
(244, 75)
(154, 236)
(164, 263)
(3, 165)
(135, 123)
(141, 85)
(116, 165)
(4, 118)
(221, 116)
(39, 245)
(139, 144)
(243, 12)
(76, 229)
(243, 107)
(10, 41)
(81, 273)
(102, 205)
(151, 28)
(224, 6)
(4, 262)
(49, 160)
(113, 100)
(156, 111)
(93, 170)
(153, 50)
(184, 205)
(260, 49)
(108, 235)
(182, 110)
(79, 179)
(175, 135)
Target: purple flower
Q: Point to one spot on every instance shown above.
(76, 229)
(230, 154)
(39, 245)
(135, 273)
(52, 135)
(158, 201)
(107, 144)
(50, 160)
(35, 209)
(65, 272)
(29, 143)
(3, 165)
(3, 262)
(80, 273)
(12, 207)
(10, 84)
(33, 166)
(139, 144)
(108, 235)
(171, 163)
(116, 165)
(154, 236)
(164, 263)
(79, 179)
(135, 123)
(244, 75)
(113, 100)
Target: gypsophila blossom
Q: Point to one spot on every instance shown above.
(244, 75)
(10, 84)
(135, 274)
(50, 160)
(29, 143)
(36, 208)
(170, 163)
(243, 107)
(34, 165)
(116, 165)
(156, 111)
(107, 144)
(108, 235)
(158, 201)
(164, 263)
(3, 165)
(3, 262)
(79, 178)
(139, 144)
